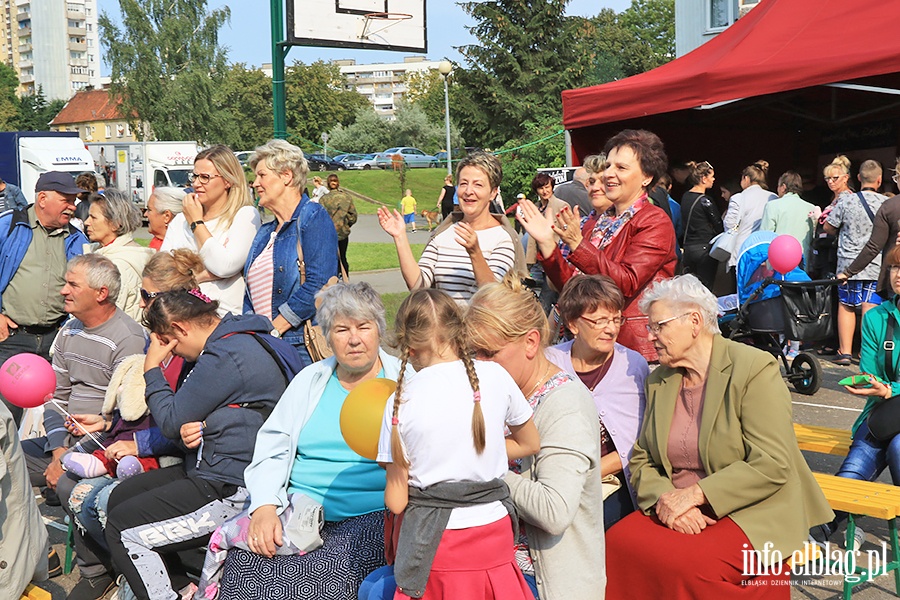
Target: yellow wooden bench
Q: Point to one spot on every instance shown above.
(825, 440)
(869, 499)
(33, 592)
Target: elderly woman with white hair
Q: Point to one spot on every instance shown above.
(162, 206)
(112, 219)
(716, 468)
(300, 450)
(293, 256)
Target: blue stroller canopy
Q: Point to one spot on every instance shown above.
(753, 268)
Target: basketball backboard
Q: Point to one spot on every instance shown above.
(371, 24)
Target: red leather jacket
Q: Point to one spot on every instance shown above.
(642, 252)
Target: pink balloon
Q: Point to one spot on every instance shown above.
(785, 254)
(26, 380)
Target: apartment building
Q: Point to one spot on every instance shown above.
(53, 44)
(698, 21)
(383, 84)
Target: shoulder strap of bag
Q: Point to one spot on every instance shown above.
(687, 224)
(889, 348)
(865, 204)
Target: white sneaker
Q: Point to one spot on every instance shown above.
(859, 538)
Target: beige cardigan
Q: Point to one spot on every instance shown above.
(559, 496)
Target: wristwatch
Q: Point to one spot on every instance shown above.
(275, 332)
(194, 225)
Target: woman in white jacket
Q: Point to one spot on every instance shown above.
(745, 209)
(219, 223)
(111, 221)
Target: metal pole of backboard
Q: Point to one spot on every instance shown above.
(278, 54)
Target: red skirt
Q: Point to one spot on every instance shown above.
(647, 560)
(477, 563)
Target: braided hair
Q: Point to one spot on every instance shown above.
(430, 319)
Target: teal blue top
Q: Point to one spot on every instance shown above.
(871, 355)
(327, 470)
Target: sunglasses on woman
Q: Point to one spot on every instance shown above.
(148, 296)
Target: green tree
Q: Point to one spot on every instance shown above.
(368, 132)
(36, 112)
(245, 99)
(316, 100)
(651, 27)
(9, 102)
(166, 64)
(519, 165)
(525, 57)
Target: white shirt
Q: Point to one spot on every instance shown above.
(436, 430)
(745, 212)
(223, 255)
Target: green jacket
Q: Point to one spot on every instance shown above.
(755, 472)
(871, 354)
(339, 205)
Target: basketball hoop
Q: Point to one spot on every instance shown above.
(389, 19)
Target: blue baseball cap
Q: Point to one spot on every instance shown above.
(57, 181)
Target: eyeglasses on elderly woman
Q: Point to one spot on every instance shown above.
(655, 328)
(603, 322)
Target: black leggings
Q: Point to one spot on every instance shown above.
(164, 511)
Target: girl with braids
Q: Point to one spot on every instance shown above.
(442, 441)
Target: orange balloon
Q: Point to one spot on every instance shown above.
(363, 413)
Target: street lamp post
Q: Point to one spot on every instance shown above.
(444, 69)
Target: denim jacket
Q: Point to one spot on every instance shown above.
(293, 301)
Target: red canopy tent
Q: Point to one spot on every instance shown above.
(793, 81)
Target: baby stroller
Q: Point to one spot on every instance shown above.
(770, 308)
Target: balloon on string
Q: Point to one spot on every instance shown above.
(362, 414)
(27, 380)
(785, 254)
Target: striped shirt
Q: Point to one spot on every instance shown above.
(84, 360)
(446, 265)
(261, 278)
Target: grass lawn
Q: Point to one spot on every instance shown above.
(391, 306)
(371, 256)
(384, 186)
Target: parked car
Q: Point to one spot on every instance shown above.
(318, 162)
(413, 157)
(368, 161)
(244, 157)
(441, 157)
(345, 158)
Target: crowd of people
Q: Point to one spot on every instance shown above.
(568, 420)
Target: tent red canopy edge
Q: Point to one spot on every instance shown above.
(780, 45)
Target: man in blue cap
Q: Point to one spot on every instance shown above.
(36, 242)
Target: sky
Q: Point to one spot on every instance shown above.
(248, 39)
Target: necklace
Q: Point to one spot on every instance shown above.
(539, 381)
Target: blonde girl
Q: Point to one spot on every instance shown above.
(445, 454)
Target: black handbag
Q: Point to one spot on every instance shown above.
(884, 420)
(807, 311)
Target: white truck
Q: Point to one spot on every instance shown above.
(24, 155)
(137, 168)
